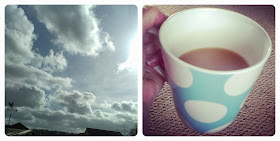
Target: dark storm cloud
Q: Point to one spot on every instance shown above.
(76, 29)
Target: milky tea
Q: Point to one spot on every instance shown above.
(215, 59)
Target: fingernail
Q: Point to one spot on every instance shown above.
(153, 61)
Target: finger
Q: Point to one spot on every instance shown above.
(148, 38)
(152, 17)
(149, 49)
(152, 47)
(155, 59)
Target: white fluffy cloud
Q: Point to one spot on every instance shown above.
(20, 59)
(51, 63)
(34, 76)
(75, 102)
(24, 95)
(19, 35)
(125, 106)
(76, 29)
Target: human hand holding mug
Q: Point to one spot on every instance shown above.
(152, 80)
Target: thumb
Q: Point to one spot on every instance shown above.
(152, 17)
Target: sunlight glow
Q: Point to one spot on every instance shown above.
(132, 62)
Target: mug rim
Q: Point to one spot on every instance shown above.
(258, 64)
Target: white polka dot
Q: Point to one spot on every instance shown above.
(240, 83)
(179, 72)
(217, 129)
(204, 111)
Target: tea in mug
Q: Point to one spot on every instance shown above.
(215, 59)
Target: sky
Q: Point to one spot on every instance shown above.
(69, 68)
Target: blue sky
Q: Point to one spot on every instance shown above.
(72, 67)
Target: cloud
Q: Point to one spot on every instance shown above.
(52, 63)
(19, 38)
(75, 102)
(19, 35)
(125, 106)
(126, 118)
(34, 76)
(100, 114)
(21, 63)
(131, 63)
(105, 104)
(76, 28)
(45, 118)
(24, 95)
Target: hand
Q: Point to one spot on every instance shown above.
(152, 80)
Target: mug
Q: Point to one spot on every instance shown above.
(208, 101)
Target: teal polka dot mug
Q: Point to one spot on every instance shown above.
(207, 100)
